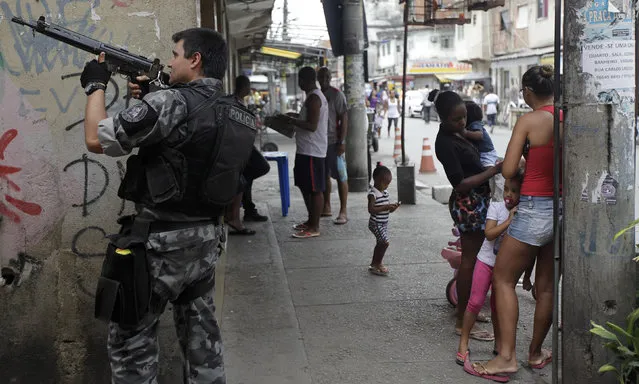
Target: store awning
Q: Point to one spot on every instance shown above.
(280, 53)
(400, 78)
(442, 78)
(468, 76)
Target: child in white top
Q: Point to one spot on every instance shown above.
(379, 207)
(498, 219)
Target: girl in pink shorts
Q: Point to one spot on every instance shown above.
(498, 218)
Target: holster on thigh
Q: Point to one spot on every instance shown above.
(124, 288)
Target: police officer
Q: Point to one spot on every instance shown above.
(184, 236)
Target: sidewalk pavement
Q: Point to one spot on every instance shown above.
(307, 311)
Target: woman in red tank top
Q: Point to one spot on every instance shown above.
(530, 233)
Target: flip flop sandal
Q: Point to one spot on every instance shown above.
(543, 363)
(478, 335)
(305, 234)
(340, 221)
(329, 214)
(240, 232)
(300, 227)
(471, 369)
(461, 358)
(379, 270)
(482, 335)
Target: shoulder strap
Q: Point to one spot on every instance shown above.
(208, 102)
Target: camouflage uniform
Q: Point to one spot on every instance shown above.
(178, 258)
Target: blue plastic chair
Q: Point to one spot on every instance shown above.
(282, 170)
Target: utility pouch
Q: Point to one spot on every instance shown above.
(166, 179)
(125, 285)
(134, 180)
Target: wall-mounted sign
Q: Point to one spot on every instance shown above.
(426, 67)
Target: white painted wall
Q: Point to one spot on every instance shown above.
(429, 43)
(387, 54)
(541, 31)
(472, 41)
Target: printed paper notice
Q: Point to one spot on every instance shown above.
(612, 63)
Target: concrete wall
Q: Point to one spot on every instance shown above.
(542, 30)
(473, 40)
(56, 200)
(427, 43)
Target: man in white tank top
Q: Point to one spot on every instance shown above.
(311, 137)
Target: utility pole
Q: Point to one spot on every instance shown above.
(599, 180)
(283, 92)
(357, 140)
(405, 171)
(285, 23)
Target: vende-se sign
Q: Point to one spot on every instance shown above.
(439, 66)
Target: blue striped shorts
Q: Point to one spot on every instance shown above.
(380, 230)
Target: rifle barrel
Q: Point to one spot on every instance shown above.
(85, 43)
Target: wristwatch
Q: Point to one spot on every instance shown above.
(94, 86)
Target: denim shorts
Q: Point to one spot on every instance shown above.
(533, 222)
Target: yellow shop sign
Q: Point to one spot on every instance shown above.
(437, 66)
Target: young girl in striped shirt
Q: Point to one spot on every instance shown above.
(379, 207)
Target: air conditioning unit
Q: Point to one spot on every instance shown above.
(434, 39)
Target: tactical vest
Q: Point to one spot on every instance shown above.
(198, 176)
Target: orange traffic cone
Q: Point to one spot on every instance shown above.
(397, 152)
(428, 165)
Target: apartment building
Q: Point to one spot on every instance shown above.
(431, 57)
(522, 36)
(495, 47)
(473, 46)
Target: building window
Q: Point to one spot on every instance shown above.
(474, 19)
(522, 17)
(399, 48)
(460, 32)
(445, 43)
(504, 21)
(542, 9)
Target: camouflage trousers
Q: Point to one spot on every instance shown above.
(177, 260)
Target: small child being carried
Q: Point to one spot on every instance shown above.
(380, 208)
(477, 134)
(498, 218)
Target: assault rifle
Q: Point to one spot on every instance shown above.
(118, 60)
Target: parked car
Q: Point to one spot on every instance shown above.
(414, 103)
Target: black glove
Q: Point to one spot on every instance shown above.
(95, 72)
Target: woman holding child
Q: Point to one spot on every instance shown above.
(470, 198)
(530, 233)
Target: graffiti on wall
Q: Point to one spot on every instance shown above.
(45, 179)
(40, 54)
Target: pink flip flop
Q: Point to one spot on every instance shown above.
(470, 368)
(544, 362)
(461, 358)
(305, 234)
